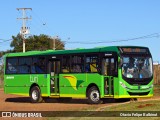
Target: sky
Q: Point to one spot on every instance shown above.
(86, 21)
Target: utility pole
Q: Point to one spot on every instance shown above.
(54, 42)
(54, 47)
(24, 30)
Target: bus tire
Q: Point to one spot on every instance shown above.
(93, 95)
(35, 95)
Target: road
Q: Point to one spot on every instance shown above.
(20, 103)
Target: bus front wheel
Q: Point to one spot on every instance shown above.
(93, 95)
(35, 95)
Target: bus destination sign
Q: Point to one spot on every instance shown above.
(134, 50)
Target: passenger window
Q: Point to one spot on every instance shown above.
(38, 65)
(77, 64)
(91, 63)
(12, 65)
(66, 64)
(24, 65)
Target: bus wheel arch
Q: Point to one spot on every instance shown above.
(93, 94)
(35, 93)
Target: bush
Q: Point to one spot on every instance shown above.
(1, 79)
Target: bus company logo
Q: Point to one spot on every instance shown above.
(10, 77)
(34, 78)
(73, 81)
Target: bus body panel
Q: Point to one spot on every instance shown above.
(20, 84)
(122, 89)
(75, 85)
(134, 91)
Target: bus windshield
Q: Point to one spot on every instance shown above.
(137, 67)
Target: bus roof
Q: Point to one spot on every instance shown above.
(53, 52)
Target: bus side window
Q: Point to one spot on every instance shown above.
(77, 63)
(93, 67)
(65, 70)
(38, 65)
(87, 68)
(109, 66)
(24, 65)
(66, 64)
(12, 67)
(76, 68)
(105, 66)
(33, 69)
(91, 63)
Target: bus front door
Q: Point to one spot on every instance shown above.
(110, 72)
(54, 70)
(109, 85)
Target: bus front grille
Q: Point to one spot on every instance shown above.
(138, 94)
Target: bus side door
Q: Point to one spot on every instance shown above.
(54, 70)
(109, 69)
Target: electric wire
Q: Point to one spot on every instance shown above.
(122, 40)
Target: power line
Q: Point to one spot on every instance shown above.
(5, 40)
(99, 42)
(123, 40)
(41, 22)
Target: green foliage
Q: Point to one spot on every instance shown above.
(4, 52)
(17, 43)
(41, 42)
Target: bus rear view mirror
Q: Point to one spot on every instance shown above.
(52, 73)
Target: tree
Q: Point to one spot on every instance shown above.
(4, 52)
(59, 45)
(17, 43)
(41, 42)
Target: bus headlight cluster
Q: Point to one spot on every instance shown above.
(123, 85)
(151, 86)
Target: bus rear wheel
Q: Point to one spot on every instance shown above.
(35, 95)
(93, 95)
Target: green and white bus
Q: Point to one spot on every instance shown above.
(106, 72)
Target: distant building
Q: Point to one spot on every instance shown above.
(155, 63)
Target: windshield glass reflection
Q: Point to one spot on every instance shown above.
(137, 67)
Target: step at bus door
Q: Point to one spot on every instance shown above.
(54, 70)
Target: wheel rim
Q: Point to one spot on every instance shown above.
(35, 94)
(94, 95)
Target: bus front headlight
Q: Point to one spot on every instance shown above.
(123, 85)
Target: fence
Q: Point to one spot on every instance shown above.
(157, 74)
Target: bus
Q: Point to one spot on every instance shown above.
(117, 72)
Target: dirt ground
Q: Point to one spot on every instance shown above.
(20, 103)
(15, 103)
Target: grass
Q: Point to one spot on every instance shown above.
(133, 106)
(140, 106)
(129, 107)
(152, 105)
